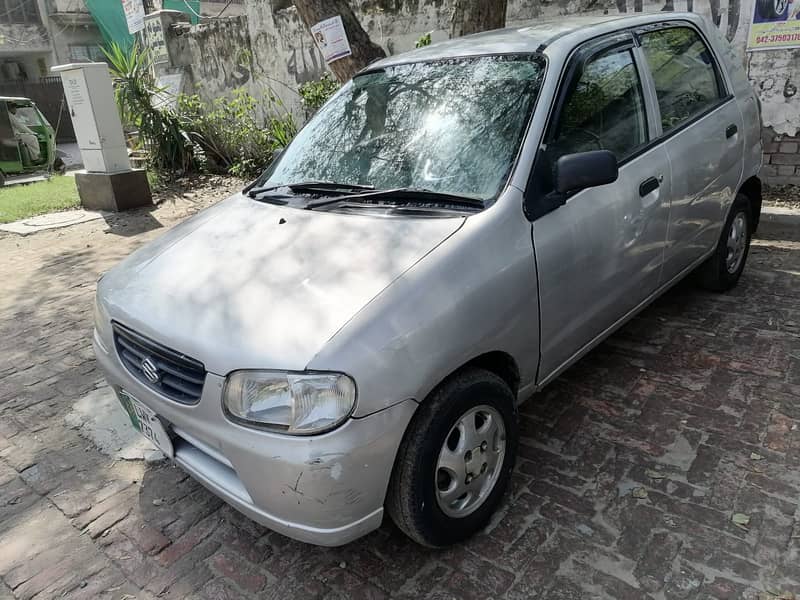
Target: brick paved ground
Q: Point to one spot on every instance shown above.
(632, 463)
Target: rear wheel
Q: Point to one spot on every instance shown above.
(722, 270)
(455, 462)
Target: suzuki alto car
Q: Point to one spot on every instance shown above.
(352, 333)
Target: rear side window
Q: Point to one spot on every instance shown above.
(684, 73)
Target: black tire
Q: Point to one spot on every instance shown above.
(714, 274)
(412, 500)
(2, 179)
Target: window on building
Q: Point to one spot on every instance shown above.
(86, 53)
(19, 12)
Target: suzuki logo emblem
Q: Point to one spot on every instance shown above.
(150, 370)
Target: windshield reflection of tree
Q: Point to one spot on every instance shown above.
(452, 126)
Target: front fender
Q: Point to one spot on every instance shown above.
(475, 293)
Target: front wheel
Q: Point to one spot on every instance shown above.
(455, 461)
(722, 270)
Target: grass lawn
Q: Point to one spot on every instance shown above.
(26, 200)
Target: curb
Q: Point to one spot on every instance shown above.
(780, 215)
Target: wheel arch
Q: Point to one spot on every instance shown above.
(752, 189)
(498, 362)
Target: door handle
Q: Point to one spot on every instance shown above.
(648, 185)
(731, 130)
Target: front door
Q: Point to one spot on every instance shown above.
(600, 254)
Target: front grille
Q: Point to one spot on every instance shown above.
(180, 378)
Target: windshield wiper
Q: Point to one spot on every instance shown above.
(405, 195)
(311, 186)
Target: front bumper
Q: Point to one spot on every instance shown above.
(326, 489)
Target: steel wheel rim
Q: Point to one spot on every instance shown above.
(780, 6)
(736, 243)
(470, 461)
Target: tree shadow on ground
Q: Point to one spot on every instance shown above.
(646, 400)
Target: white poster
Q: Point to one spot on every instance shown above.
(134, 14)
(154, 38)
(331, 39)
(169, 86)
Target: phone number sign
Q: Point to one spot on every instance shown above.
(775, 24)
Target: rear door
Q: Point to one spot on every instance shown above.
(599, 254)
(701, 126)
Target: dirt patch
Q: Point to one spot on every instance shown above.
(787, 196)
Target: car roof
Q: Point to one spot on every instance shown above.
(529, 38)
(14, 99)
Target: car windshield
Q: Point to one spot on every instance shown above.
(451, 126)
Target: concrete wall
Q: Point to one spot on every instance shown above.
(285, 56)
(283, 48)
(215, 56)
(234, 9)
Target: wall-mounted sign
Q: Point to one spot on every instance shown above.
(332, 40)
(154, 38)
(775, 24)
(134, 15)
(169, 88)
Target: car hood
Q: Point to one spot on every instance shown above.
(248, 285)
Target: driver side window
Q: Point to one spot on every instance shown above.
(604, 109)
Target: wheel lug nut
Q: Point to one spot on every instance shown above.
(469, 479)
(468, 456)
(484, 446)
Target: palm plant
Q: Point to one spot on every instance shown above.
(136, 93)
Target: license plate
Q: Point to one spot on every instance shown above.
(147, 422)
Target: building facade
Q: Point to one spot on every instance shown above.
(37, 34)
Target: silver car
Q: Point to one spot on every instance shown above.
(352, 333)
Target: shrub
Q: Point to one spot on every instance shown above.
(168, 145)
(230, 134)
(314, 94)
(423, 41)
(225, 135)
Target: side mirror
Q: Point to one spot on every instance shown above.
(583, 170)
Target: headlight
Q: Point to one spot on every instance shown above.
(295, 403)
(101, 323)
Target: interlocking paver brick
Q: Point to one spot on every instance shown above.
(245, 575)
(631, 466)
